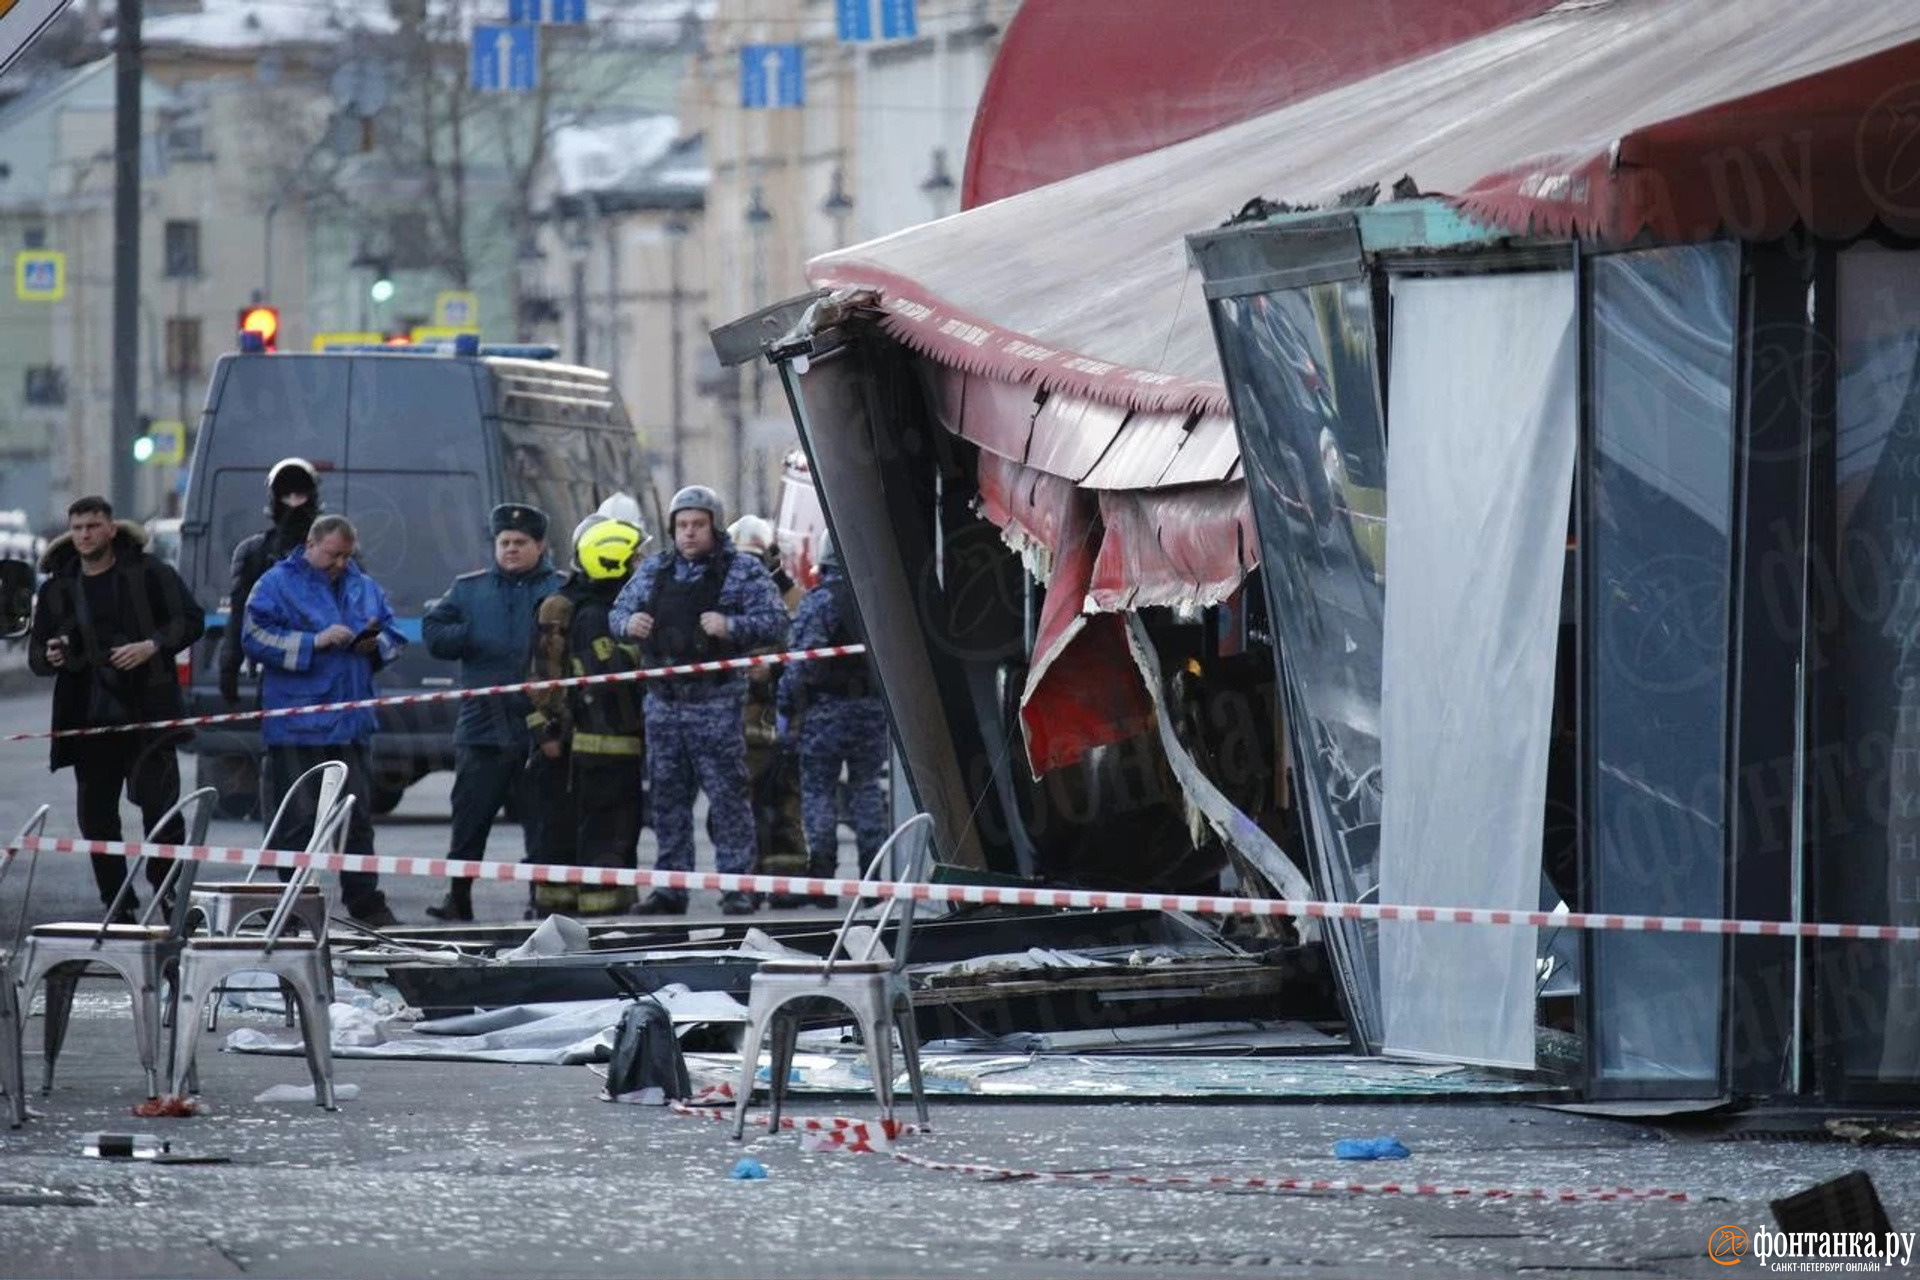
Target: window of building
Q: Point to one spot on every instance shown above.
(182, 255)
(34, 238)
(183, 347)
(46, 385)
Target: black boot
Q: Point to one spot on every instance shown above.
(457, 906)
(823, 868)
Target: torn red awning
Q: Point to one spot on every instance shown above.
(1833, 152)
(1146, 73)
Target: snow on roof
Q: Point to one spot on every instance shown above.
(615, 155)
(244, 24)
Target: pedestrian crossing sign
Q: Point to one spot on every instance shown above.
(40, 275)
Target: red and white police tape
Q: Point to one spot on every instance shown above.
(453, 695)
(842, 1134)
(1192, 904)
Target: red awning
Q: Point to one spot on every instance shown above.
(1084, 285)
(1143, 74)
(1834, 152)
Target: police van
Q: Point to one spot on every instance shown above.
(415, 445)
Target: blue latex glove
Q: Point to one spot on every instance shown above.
(747, 1169)
(1385, 1147)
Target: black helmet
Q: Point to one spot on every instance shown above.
(292, 475)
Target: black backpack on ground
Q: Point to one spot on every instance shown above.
(646, 1053)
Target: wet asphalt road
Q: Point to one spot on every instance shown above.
(480, 1170)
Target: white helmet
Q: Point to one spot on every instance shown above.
(753, 535)
(623, 507)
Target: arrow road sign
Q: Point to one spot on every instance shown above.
(772, 75)
(504, 58)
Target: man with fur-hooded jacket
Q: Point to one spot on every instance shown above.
(293, 500)
(106, 627)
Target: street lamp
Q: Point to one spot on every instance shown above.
(573, 229)
(838, 206)
(938, 184)
(759, 218)
(676, 229)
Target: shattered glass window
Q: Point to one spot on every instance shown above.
(1301, 369)
(1659, 555)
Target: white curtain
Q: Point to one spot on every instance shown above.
(1481, 440)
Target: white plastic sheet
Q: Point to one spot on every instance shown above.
(1481, 442)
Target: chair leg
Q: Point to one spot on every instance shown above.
(187, 1027)
(316, 1033)
(749, 1059)
(879, 1036)
(13, 1066)
(60, 989)
(147, 1025)
(786, 1031)
(910, 1050)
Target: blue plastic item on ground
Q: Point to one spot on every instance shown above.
(1385, 1147)
(746, 1169)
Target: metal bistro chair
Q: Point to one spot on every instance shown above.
(13, 1064)
(225, 907)
(873, 986)
(139, 954)
(302, 964)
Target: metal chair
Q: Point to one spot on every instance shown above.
(225, 907)
(140, 954)
(872, 985)
(302, 964)
(13, 1065)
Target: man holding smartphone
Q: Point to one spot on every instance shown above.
(320, 627)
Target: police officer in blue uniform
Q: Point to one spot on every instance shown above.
(485, 622)
(698, 601)
(842, 723)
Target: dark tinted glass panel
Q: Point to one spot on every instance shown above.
(1301, 368)
(418, 530)
(1871, 865)
(1658, 555)
(413, 412)
(272, 407)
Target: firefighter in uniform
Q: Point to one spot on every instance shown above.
(696, 601)
(773, 770)
(842, 723)
(591, 732)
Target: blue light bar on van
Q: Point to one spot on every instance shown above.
(515, 350)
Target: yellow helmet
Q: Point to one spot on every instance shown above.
(604, 549)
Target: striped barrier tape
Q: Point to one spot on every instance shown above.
(453, 695)
(876, 1137)
(973, 894)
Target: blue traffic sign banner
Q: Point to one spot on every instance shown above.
(855, 19)
(505, 58)
(559, 13)
(772, 75)
(898, 20)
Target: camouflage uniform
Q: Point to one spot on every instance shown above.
(773, 774)
(694, 723)
(593, 814)
(842, 723)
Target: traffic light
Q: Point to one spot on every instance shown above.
(262, 321)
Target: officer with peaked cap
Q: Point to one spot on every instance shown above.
(696, 601)
(485, 622)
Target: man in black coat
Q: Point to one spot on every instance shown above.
(106, 627)
(293, 500)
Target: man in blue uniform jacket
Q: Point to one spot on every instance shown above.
(485, 623)
(320, 627)
(699, 601)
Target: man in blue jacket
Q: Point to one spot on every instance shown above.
(320, 627)
(695, 602)
(485, 622)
